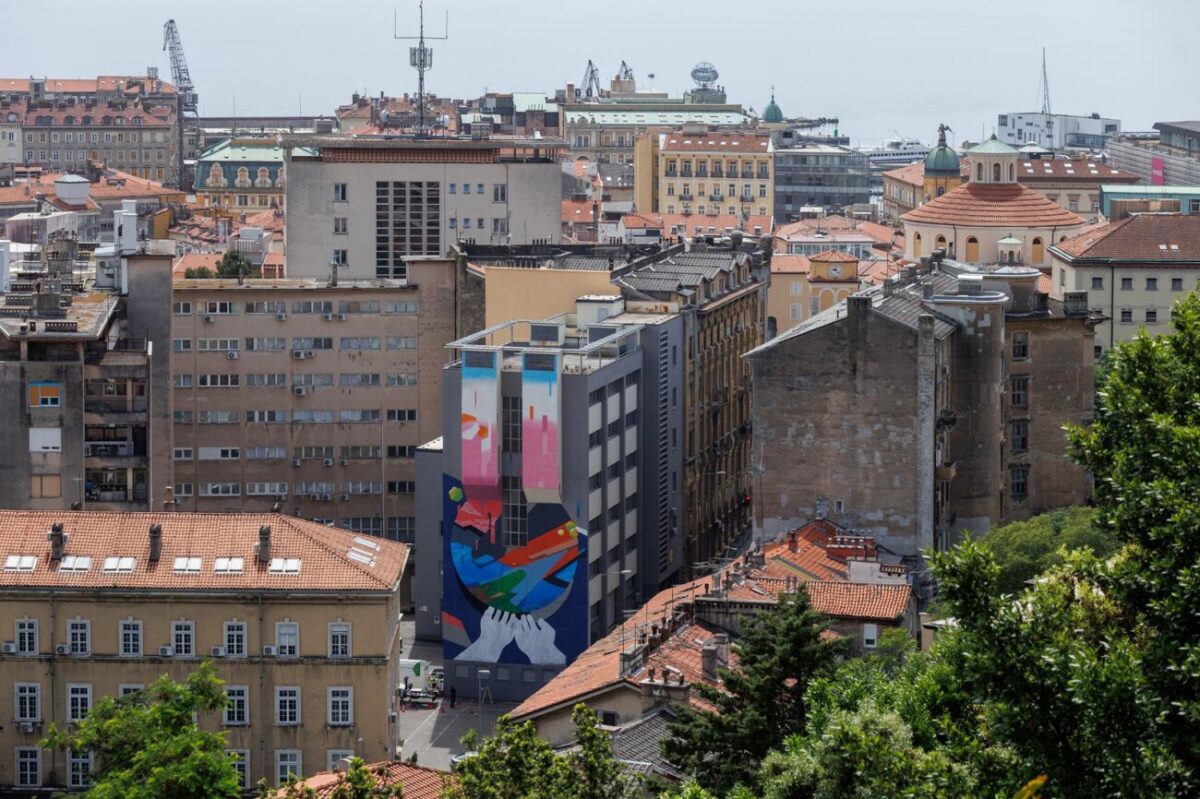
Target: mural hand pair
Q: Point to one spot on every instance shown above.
(498, 628)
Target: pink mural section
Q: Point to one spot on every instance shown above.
(481, 443)
(540, 410)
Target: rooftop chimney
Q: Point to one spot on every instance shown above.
(58, 541)
(721, 642)
(264, 544)
(708, 662)
(793, 542)
(155, 542)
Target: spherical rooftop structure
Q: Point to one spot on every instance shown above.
(772, 113)
(705, 74)
(942, 160)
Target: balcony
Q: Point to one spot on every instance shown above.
(686, 197)
(718, 197)
(747, 174)
(672, 173)
(747, 198)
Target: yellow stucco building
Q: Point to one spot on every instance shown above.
(697, 170)
(802, 286)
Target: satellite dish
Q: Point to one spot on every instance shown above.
(705, 74)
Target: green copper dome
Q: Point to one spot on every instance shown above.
(772, 113)
(942, 160)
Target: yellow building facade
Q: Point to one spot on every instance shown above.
(803, 286)
(702, 171)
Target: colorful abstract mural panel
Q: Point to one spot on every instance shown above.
(540, 461)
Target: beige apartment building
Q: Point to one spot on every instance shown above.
(309, 397)
(300, 620)
(700, 170)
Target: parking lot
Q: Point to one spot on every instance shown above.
(434, 732)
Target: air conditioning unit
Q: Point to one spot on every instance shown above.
(343, 462)
(62, 649)
(309, 354)
(326, 497)
(299, 391)
(343, 497)
(26, 727)
(232, 355)
(341, 317)
(296, 461)
(208, 317)
(217, 651)
(268, 651)
(166, 651)
(314, 497)
(10, 648)
(327, 317)
(327, 461)
(297, 354)
(281, 316)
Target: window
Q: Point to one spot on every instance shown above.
(241, 760)
(1126, 315)
(1097, 282)
(401, 414)
(614, 470)
(499, 192)
(340, 193)
(401, 486)
(131, 638)
(1126, 284)
(340, 258)
(27, 637)
(45, 395)
(79, 766)
(1151, 316)
(287, 705)
(1176, 284)
(614, 428)
(340, 227)
(287, 764)
(1151, 284)
(1019, 437)
(219, 381)
(595, 438)
(79, 636)
(511, 423)
(79, 701)
(287, 639)
(400, 451)
(28, 701)
(125, 689)
(29, 767)
(119, 564)
(402, 343)
(183, 636)
(235, 639)
(339, 639)
(237, 703)
(401, 528)
(341, 706)
(1020, 482)
(516, 512)
(1019, 391)
(1020, 346)
(870, 636)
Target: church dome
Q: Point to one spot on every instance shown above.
(772, 113)
(942, 160)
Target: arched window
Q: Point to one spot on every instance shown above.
(941, 190)
(995, 173)
(1012, 256)
(972, 250)
(979, 172)
(916, 245)
(941, 243)
(1039, 251)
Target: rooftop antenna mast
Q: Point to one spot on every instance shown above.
(1044, 89)
(421, 58)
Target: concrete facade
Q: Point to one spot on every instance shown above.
(369, 205)
(310, 395)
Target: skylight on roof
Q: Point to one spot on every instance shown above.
(186, 565)
(284, 566)
(20, 563)
(118, 564)
(228, 565)
(75, 563)
(366, 542)
(358, 556)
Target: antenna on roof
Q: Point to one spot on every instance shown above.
(1044, 88)
(421, 58)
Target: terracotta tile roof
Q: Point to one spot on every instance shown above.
(869, 601)
(323, 552)
(113, 185)
(106, 83)
(716, 141)
(876, 270)
(1056, 170)
(913, 174)
(787, 264)
(641, 221)
(577, 211)
(993, 205)
(271, 220)
(138, 118)
(833, 257)
(418, 782)
(689, 222)
(1140, 237)
(883, 234)
(195, 260)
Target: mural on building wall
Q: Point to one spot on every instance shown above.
(515, 590)
(539, 428)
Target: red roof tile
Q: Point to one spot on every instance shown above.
(833, 257)
(323, 552)
(195, 260)
(716, 141)
(913, 174)
(788, 264)
(993, 205)
(870, 601)
(1056, 170)
(418, 782)
(1140, 237)
(577, 211)
(114, 185)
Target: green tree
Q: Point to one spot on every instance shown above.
(147, 745)
(515, 763)
(1025, 549)
(199, 273)
(762, 701)
(1143, 449)
(234, 264)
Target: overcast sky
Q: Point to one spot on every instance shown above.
(877, 66)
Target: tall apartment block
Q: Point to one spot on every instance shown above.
(85, 370)
(300, 621)
(559, 491)
(309, 395)
(368, 204)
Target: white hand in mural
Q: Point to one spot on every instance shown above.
(496, 631)
(536, 639)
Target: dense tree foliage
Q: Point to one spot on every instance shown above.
(147, 745)
(1024, 550)
(760, 703)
